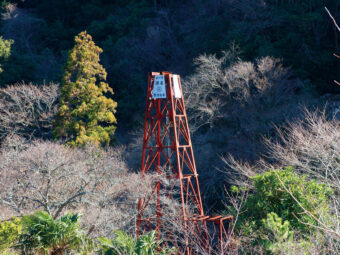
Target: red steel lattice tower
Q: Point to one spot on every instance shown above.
(167, 150)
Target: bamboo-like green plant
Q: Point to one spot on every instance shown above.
(43, 235)
(124, 244)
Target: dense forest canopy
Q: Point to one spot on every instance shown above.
(138, 36)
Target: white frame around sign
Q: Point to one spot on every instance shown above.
(175, 81)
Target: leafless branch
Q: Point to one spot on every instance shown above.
(55, 178)
(27, 110)
(330, 15)
(336, 25)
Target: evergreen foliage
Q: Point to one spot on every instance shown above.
(85, 114)
(9, 233)
(41, 234)
(124, 244)
(5, 50)
(270, 196)
(299, 32)
(271, 215)
(280, 232)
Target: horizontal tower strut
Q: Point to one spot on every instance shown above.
(167, 151)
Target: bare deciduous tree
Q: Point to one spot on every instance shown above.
(27, 110)
(223, 85)
(311, 146)
(232, 103)
(48, 176)
(55, 178)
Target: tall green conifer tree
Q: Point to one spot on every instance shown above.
(85, 114)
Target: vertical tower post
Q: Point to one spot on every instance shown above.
(167, 150)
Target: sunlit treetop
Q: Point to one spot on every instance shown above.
(85, 114)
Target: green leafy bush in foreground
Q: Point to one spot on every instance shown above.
(125, 244)
(41, 234)
(276, 209)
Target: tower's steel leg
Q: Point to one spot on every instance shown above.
(167, 150)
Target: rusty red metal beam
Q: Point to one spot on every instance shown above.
(167, 144)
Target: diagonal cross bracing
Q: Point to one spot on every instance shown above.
(167, 150)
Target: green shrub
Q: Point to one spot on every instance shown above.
(274, 216)
(271, 196)
(279, 238)
(9, 233)
(41, 234)
(125, 244)
(280, 232)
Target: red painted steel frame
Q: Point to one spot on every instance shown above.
(167, 150)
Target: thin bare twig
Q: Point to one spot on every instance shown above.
(330, 15)
(337, 26)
